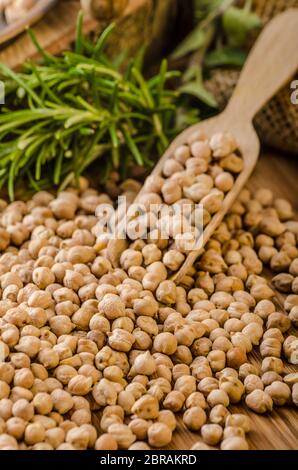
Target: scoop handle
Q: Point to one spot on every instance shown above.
(271, 63)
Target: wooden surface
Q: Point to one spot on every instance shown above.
(54, 32)
(143, 22)
(9, 31)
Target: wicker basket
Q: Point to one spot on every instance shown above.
(277, 123)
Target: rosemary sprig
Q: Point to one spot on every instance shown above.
(66, 112)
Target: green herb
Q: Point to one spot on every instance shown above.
(237, 23)
(66, 112)
(197, 89)
(217, 40)
(193, 85)
(226, 57)
(194, 41)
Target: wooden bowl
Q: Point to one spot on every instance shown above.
(8, 32)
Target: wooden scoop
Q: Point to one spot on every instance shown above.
(270, 65)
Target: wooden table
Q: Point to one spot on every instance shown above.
(142, 22)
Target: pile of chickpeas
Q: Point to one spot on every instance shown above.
(200, 172)
(90, 325)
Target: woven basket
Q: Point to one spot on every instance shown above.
(277, 123)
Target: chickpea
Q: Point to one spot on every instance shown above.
(131, 258)
(48, 358)
(146, 407)
(55, 437)
(15, 427)
(122, 434)
(121, 340)
(80, 417)
(126, 400)
(290, 348)
(270, 347)
(6, 372)
(34, 433)
(65, 446)
(278, 320)
(283, 282)
(40, 299)
(78, 438)
(233, 387)
(171, 192)
(233, 431)
(200, 446)
(173, 259)
(105, 393)
(227, 372)
(224, 181)
(137, 273)
(218, 397)
(159, 435)
(138, 445)
(112, 306)
(238, 421)
(8, 442)
(139, 428)
(165, 343)
(291, 379)
(179, 370)
(185, 384)
(295, 394)
(62, 401)
(222, 144)
(108, 419)
(217, 360)
(18, 393)
(43, 403)
(106, 442)
(207, 384)
(259, 401)
(43, 277)
(284, 209)
(252, 382)
(80, 385)
(211, 434)
(146, 306)
(114, 410)
(196, 399)
(23, 409)
(272, 364)
(174, 401)
(279, 392)
(20, 360)
(194, 418)
(167, 292)
(234, 443)
(29, 345)
(142, 338)
(144, 364)
(254, 331)
(274, 333)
